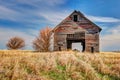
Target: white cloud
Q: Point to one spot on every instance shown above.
(7, 13)
(29, 16)
(57, 17)
(12, 11)
(32, 17)
(33, 3)
(37, 2)
(6, 34)
(102, 19)
(111, 41)
(54, 17)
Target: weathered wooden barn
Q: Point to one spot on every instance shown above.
(76, 28)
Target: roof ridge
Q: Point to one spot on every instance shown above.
(80, 13)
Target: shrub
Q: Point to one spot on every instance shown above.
(15, 43)
(42, 42)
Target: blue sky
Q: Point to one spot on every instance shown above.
(25, 18)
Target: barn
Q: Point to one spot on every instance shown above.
(76, 28)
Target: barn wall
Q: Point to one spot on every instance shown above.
(51, 48)
(92, 40)
(60, 34)
(60, 41)
(69, 26)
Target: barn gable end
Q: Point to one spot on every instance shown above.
(76, 28)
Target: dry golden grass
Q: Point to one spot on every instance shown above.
(65, 65)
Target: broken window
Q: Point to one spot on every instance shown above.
(75, 18)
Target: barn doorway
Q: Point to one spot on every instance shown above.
(78, 44)
(92, 49)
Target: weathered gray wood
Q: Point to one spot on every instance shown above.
(83, 31)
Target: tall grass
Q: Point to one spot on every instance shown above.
(28, 65)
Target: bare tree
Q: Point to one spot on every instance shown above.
(42, 42)
(15, 43)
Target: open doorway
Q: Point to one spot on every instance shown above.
(77, 46)
(92, 49)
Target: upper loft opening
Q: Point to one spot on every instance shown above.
(80, 20)
(75, 18)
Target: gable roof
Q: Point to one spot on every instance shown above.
(69, 23)
(78, 12)
(65, 21)
(86, 19)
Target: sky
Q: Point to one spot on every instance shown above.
(24, 18)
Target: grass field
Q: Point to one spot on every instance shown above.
(65, 65)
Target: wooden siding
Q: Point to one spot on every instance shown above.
(83, 30)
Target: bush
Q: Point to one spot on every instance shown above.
(42, 42)
(15, 43)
